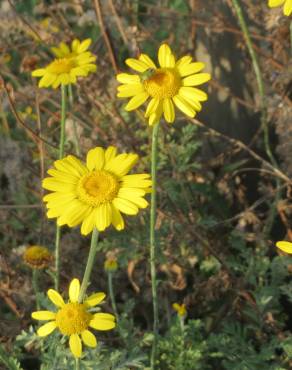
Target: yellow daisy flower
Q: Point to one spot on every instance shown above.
(74, 319)
(287, 10)
(172, 84)
(77, 48)
(180, 309)
(284, 246)
(95, 194)
(69, 65)
(37, 257)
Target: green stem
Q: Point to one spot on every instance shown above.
(112, 296)
(77, 364)
(89, 265)
(153, 245)
(259, 79)
(76, 139)
(61, 155)
(35, 285)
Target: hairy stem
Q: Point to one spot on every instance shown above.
(153, 244)
(89, 265)
(61, 155)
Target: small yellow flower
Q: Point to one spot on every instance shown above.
(287, 10)
(111, 264)
(37, 257)
(172, 84)
(180, 309)
(95, 194)
(73, 319)
(69, 65)
(284, 246)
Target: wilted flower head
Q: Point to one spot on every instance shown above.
(37, 257)
(111, 264)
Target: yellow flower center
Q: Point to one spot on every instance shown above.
(164, 83)
(97, 187)
(62, 65)
(73, 318)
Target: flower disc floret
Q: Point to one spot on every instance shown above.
(94, 195)
(171, 85)
(97, 188)
(73, 319)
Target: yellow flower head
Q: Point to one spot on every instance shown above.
(180, 309)
(95, 194)
(172, 84)
(37, 257)
(73, 319)
(69, 64)
(287, 10)
(284, 246)
(111, 264)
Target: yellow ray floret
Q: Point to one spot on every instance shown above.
(180, 309)
(73, 319)
(96, 193)
(284, 246)
(169, 85)
(69, 64)
(287, 9)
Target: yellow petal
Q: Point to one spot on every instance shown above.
(141, 180)
(125, 206)
(126, 78)
(88, 339)
(110, 153)
(94, 299)
(137, 65)
(136, 101)
(165, 57)
(53, 184)
(117, 219)
(102, 321)
(188, 69)
(274, 3)
(88, 222)
(46, 329)
(193, 93)
(103, 216)
(184, 106)
(74, 290)
(284, 246)
(196, 79)
(126, 91)
(168, 110)
(95, 159)
(183, 61)
(147, 60)
(75, 345)
(152, 107)
(84, 46)
(39, 72)
(56, 298)
(43, 315)
(155, 116)
(75, 44)
(122, 164)
(288, 8)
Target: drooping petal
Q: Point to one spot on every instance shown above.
(136, 101)
(43, 315)
(88, 339)
(117, 219)
(46, 329)
(168, 110)
(184, 106)
(94, 299)
(152, 107)
(56, 298)
(88, 222)
(75, 345)
(74, 290)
